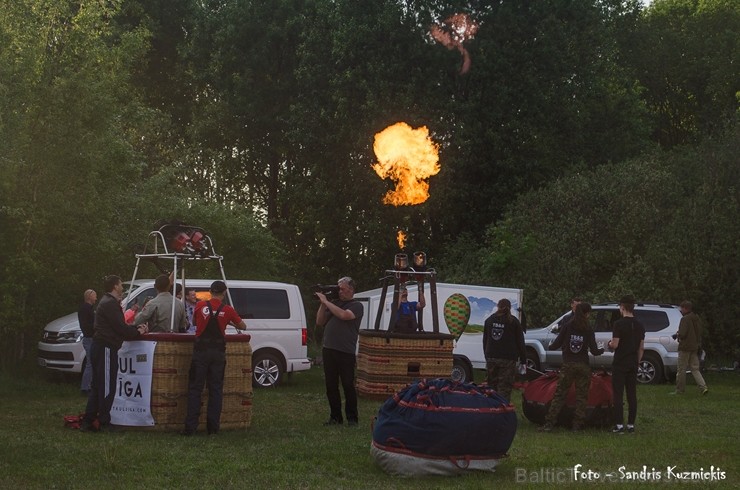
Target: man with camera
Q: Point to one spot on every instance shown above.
(341, 321)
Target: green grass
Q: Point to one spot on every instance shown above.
(287, 446)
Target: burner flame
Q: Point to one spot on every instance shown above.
(401, 238)
(408, 156)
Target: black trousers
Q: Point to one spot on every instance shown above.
(624, 379)
(103, 386)
(207, 366)
(340, 367)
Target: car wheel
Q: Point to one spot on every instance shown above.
(533, 360)
(461, 371)
(267, 371)
(650, 369)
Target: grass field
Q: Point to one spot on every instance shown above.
(287, 446)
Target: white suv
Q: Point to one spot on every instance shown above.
(273, 312)
(659, 361)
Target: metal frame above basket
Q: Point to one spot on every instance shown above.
(179, 243)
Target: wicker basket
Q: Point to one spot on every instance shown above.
(386, 362)
(171, 365)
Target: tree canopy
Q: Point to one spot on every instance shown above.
(584, 146)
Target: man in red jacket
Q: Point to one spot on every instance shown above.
(209, 358)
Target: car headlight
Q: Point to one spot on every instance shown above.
(69, 337)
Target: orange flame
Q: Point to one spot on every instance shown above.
(407, 156)
(401, 238)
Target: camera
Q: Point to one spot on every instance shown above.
(331, 291)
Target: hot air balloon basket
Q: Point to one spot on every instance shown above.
(170, 370)
(387, 362)
(169, 410)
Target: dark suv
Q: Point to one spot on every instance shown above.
(661, 351)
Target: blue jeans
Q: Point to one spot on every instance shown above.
(87, 367)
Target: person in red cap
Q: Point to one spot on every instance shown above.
(209, 358)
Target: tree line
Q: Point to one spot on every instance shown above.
(589, 149)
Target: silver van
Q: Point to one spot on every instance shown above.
(273, 311)
(659, 361)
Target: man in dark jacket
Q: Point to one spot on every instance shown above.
(110, 332)
(503, 344)
(575, 339)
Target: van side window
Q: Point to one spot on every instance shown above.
(264, 304)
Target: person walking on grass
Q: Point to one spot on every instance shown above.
(628, 344)
(689, 345)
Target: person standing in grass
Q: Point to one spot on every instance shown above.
(503, 344)
(575, 338)
(209, 358)
(689, 342)
(628, 344)
(110, 332)
(341, 319)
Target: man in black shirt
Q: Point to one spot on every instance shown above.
(628, 344)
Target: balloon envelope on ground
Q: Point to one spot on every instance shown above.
(439, 427)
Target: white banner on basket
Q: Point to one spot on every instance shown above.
(131, 405)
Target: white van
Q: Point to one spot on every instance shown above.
(468, 351)
(273, 312)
